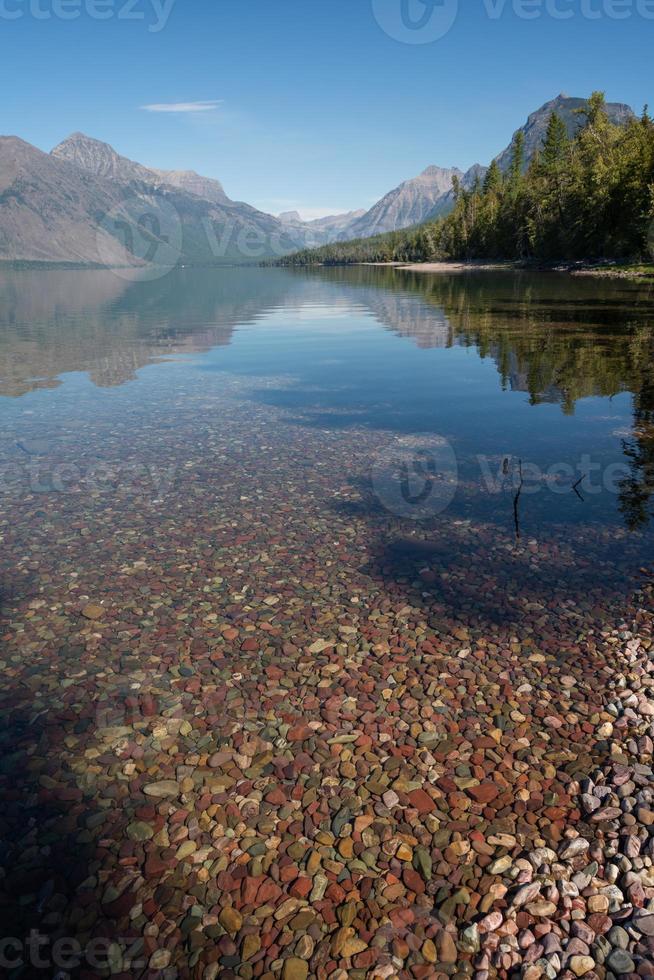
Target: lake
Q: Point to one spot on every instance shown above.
(270, 536)
(273, 379)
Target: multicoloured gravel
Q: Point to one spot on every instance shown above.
(252, 725)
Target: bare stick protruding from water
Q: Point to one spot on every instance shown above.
(577, 485)
(516, 502)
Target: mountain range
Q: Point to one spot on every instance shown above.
(84, 203)
(430, 195)
(319, 231)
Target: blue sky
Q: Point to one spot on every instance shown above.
(317, 107)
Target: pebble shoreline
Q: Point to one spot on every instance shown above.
(260, 746)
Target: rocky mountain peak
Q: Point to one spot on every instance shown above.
(99, 158)
(193, 183)
(102, 160)
(437, 172)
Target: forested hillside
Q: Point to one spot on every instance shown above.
(590, 197)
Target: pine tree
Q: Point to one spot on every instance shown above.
(555, 144)
(493, 179)
(594, 111)
(517, 159)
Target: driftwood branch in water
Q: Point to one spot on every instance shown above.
(516, 502)
(577, 485)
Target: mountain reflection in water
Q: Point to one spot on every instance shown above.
(557, 339)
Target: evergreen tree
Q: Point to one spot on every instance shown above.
(493, 179)
(555, 144)
(517, 159)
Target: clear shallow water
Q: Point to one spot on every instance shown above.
(414, 408)
(243, 513)
(546, 371)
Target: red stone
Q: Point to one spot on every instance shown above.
(413, 881)
(155, 867)
(599, 923)
(249, 890)
(268, 892)
(276, 796)
(301, 887)
(484, 793)
(299, 733)
(422, 801)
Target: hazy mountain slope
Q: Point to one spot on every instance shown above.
(319, 231)
(409, 204)
(187, 180)
(48, 212)
(336, 222)
(85, 203)
(445, 203)
(246, 232)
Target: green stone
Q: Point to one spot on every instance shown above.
(422, 862)
(140, 831)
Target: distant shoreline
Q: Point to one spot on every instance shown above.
(644, 272)
(448, 267)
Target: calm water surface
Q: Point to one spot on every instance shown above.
(216, 403)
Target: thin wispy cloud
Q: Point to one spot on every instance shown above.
(205, 106)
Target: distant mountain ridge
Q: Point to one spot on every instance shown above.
(85, 203)
(319, 231)
(406, 205)
(53, 206)
(102, 160)
(99, 158)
